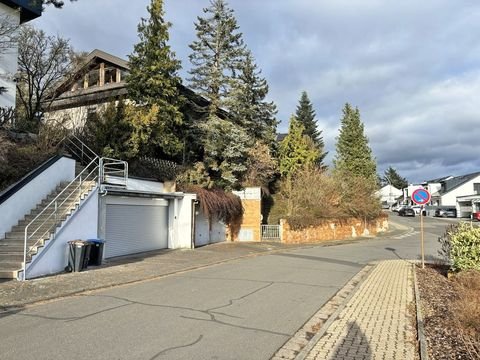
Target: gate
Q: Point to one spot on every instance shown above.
(271, 232)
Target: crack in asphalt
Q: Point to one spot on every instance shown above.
(211, 313)
(177, 347)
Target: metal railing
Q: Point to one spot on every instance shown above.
(78, 149)
(113, 172)
(271, 232)
(55, 212)
(96, 172)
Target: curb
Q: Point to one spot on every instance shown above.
(420, 328)
(304, 339)
(311, 344)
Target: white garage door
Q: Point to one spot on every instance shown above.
(132, 229)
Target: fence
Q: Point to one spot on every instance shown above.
(271, 232)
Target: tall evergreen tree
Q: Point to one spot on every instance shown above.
(392, 177)
(305, 114)
(247, 102)
(217, 53)
(154, 80)
(354, 156)
(296, 150)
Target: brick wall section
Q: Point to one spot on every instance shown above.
(252, 218)
(333, 230)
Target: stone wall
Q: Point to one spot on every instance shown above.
(333, 230)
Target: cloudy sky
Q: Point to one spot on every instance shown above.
(412, 67)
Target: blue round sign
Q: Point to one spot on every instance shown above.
(421, 196)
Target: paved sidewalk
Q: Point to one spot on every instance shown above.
(378, 320)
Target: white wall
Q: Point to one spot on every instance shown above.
(450, 198)
(8, 60)
(145, 185)
(202, 228)
(389, 194)
(182, 229)
(82, 224)
(18, 205)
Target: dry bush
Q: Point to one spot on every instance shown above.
(18, 158)
(309, 198)
(467, 310)
(313, 196)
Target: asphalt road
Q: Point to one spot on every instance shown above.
(244, 309)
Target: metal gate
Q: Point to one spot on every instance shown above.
(271, 232)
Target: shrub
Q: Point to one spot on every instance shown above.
(461, 247)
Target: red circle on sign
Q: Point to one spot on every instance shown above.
(421, 196)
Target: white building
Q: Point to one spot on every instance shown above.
(389, 194)
(12, 14)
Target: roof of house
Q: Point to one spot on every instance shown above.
(281, 137)
(29, 9)
(63, 98)
(454, 182)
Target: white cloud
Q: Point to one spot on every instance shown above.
(413, 68)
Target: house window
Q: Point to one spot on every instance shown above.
(476, 188)
(93, 78)
(110, 75)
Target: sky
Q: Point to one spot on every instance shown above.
(411, 67)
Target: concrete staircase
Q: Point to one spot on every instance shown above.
(42, 228)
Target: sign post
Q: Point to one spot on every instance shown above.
(421, 197)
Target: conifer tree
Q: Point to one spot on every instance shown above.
(247, 102)
(305, 114)
(217, 53)
(392, 177)
(154, 80)
(296, 150)
(354, 156)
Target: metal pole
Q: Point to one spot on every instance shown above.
(422, 238)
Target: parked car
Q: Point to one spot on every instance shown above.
(406, 211)
(447, 212)
(417, 209)
(398, 207)
(476, 216)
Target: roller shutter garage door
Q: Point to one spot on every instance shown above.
(132, 229)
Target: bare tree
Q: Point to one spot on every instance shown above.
(43, 61)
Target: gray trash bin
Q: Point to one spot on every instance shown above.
(78, 255)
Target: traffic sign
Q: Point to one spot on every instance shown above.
(421, 196)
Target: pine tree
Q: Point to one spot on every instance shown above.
(154, 80)
(296, 150)
(354, 156)
(217, 53)
(305, 114)
(392, 177)
(247, 103)
(226, 146)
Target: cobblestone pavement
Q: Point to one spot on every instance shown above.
(377, 322)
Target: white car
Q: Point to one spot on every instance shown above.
(417, 209)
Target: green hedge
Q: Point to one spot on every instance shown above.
(461, 247)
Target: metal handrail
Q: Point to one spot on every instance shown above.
(107, 168)
(84, 149)
(80, 177)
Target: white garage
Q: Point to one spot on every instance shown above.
(135, 225)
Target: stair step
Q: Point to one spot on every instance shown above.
(11, 265)
(8, 274)
(13, 256)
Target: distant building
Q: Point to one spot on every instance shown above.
(389, 194)
(12, 14)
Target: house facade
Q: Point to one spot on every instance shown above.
(389, 194)
(12, 14)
